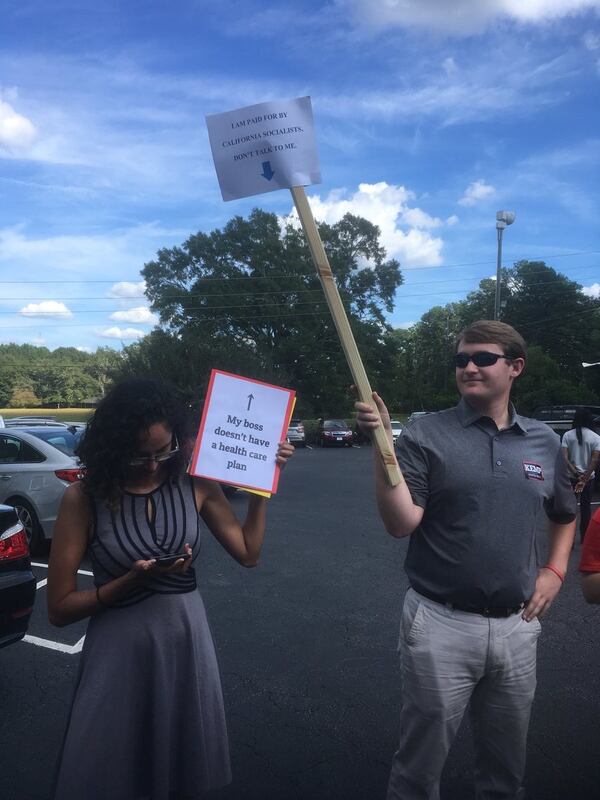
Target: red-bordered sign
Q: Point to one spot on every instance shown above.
(242, 423)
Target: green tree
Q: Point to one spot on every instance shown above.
(544, 383)
(105, 365)
(549, 309)
(23, 397)
(560, 323)
(249, 294)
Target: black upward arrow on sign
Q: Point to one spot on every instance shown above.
(250, 399)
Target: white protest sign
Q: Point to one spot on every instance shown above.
(242, 424)
(264, 147)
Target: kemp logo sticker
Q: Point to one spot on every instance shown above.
(533, 471)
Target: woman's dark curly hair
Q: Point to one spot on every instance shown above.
(111, 437)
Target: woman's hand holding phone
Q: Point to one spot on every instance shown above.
(177, 563)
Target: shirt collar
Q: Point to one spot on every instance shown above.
(467, 415)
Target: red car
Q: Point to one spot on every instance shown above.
(334, 432)
(17, 582)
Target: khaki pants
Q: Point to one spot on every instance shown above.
(451, 658)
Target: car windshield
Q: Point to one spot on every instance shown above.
(396, 425)
(561, 412)
(335, 425)
(62, 439)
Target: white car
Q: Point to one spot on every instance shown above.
(396, 429)
(36, 466)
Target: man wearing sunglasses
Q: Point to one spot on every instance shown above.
(480, 481)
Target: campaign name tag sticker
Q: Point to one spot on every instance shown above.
(533, 471)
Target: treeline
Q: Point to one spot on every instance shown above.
(559, 322)
(246, 299)
(36, 376)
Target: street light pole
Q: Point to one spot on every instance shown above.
(503, 219)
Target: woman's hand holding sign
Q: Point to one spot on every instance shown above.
(285, 451)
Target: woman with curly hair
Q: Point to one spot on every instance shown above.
(147, 718)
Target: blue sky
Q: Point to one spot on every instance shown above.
(430, 116)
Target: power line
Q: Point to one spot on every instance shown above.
(191, 294)
(214, 319)
(260, 277)
(255, 295)
(558, 319)
(275, 291)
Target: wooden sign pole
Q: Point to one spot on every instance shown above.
(342, 325)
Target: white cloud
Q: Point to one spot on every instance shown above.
(121, 333)
(125, 289)
(84, 349)
(449, 66)
(140, 315)
(404, 229)
(461, 17)
(480, 90)
(452, 220)
(592, 291)
(17, 133)
(591, 40)
(476, 191)
(47, 308)
(38, 341)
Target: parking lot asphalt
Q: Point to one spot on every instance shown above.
(307, 650)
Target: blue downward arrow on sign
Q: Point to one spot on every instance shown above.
(267, 171)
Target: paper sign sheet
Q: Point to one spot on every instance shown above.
(264, 147)
(242, 424)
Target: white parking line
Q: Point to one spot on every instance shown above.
(45, 566)
(69, 649)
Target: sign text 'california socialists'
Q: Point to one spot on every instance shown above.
(264, 147)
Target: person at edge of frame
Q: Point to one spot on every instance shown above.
(581, 449)
(478, 479)
(589, 566)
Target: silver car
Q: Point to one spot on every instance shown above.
(36, 466)
(295, 433)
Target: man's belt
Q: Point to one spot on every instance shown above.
(484, 611)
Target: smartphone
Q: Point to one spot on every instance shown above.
(169, 559)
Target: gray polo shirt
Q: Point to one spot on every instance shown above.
(485, 493)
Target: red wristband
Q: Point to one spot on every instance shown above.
(555, 571)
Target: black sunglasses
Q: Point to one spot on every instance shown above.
(141, 461)
(481, 359)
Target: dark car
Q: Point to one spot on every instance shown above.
(334, 432)
(560, 418)
(17, 582)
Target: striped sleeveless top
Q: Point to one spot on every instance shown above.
(144, 526)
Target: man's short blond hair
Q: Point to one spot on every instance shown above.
(494, 332)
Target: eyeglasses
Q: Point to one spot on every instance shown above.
(481, 359)
(159, 458)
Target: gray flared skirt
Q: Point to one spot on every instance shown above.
(147, 721)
